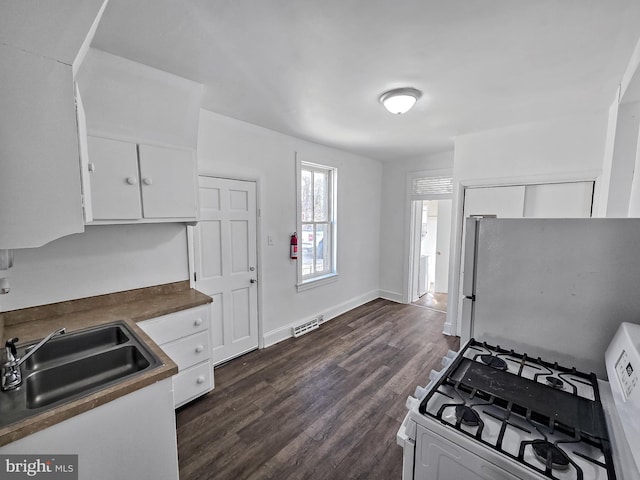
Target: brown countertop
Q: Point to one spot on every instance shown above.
(131, 306)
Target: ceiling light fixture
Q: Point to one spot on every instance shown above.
(400, 100)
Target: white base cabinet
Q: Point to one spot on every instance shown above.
(133, 436)
(185, 337)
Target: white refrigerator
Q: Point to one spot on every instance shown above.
(554, 288)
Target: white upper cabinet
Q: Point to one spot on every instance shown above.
(115, 189)
(168, 182)
(40, 181)
(40, 193)
(137, 182)
(142, 125)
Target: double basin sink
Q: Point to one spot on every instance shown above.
(74, 365)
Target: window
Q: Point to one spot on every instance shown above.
(316, 223)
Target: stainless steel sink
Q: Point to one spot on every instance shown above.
(49, 386)
(75, 365)
(77, 345)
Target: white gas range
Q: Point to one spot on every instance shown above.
(501, 415)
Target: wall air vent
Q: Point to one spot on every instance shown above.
(305, 327)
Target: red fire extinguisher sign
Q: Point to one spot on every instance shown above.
(294, 246)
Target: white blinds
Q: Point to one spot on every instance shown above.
(432, 186)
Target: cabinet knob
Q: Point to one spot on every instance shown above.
(147, 181)
(198, 322)
(132, 180)
(199, 348)
(200, 380)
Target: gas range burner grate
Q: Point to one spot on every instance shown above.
(550, 455)
(533, 419)
(467, 416)
(555, 382)
(494, 362)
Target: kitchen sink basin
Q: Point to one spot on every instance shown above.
(51, 385)
(76, 345)
(75, 365)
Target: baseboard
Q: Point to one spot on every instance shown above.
(393, 296)
(448, 329)
(282, 333)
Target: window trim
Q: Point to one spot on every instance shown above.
(331, 276)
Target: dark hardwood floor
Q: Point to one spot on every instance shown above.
(326, 405)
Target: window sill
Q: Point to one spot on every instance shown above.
(317, 282)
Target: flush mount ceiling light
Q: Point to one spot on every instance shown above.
(400, 100)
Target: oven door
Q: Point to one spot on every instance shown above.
(437, 458)
(408, 444)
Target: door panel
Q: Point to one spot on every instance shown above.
(167, 176)
(225, 257)
(241, 314)
(239, 247)
(114, 179)
(505, 202)
(211, 261)
(217, 327)
(559, 200)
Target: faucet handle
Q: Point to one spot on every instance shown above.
(12, 351)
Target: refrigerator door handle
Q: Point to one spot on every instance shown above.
(469, 260)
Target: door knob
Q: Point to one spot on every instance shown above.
(253, 280)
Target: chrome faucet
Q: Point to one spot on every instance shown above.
(11, 373)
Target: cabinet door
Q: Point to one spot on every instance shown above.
(115, 190)
(559, 200)
(168, 182)
(40, 197)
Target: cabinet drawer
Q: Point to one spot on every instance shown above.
(192, 383)
(177, 325)
(189, 350)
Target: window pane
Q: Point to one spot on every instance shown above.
(307, 249)
(307, 196)
(321, 197)
(322, 245)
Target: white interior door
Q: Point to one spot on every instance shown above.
(226, 263)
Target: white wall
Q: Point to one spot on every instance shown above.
(235, 149)
(103, 259)
(561, 149)
(624, 159)
(132, 101)
(395, 209)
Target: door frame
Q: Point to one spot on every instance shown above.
(191, 248)
(410, 225)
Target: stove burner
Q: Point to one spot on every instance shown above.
(495, 362)
(543, 450)
(467, 416)
(554, 382)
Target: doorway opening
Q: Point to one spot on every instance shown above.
(431, 229)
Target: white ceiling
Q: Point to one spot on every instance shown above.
(315, 69)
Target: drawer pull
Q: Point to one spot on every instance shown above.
(199, 348)
(200, 379)
(198, 322)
